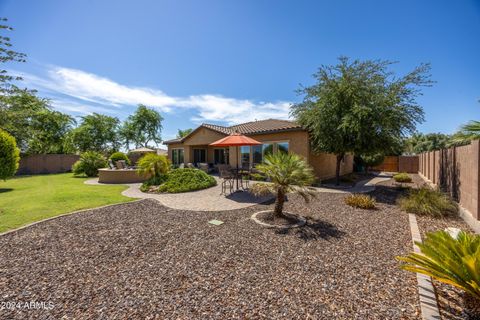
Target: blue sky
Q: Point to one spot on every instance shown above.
(231, 61)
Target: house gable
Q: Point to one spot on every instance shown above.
(202, 136)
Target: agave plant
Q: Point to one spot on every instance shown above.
(153, 165)
(288, 173)
(455, 261)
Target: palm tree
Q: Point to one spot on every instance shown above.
(467, 133)
(153, 165)
(288, 173)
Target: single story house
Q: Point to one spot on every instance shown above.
(274, 134)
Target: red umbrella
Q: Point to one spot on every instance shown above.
(235, 140)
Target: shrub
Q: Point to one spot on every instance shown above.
(154, 165)
(89, 164)
(454, 261)
(116, 156)
(361, 201)
(402, 177)
(9, 155)
(183, 180)
(426, 201)
(153, 181)
(258, 177)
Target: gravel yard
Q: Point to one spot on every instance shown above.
(143, 260)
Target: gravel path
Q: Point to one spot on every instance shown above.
(142, 260)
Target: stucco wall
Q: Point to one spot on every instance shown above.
(324, 165)
(456, 171)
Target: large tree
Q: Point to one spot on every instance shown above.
(96, 132)
(360, 107)
(7, 55)
(49, 129)
(142, 127)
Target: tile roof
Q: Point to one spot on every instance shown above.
(248, 128)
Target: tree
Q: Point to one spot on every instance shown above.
(467, 133)
(48, 131)
(153, 165)
(420, 142)
(17, 111)
(143, 126)
(288, 173)
(183, 133)
(96, 132)
(360, 107)
(7, 55)
(9, 155)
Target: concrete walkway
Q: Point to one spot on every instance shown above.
(211, 199)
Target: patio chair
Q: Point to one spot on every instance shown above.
(181, 165)
(111, 165)
(121, 164)
(204, 167)
(227, 178)
(190, 165)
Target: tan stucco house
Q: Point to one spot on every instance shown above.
(274, 134)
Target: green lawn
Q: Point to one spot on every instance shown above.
(27, 199)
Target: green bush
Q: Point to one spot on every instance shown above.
(402, 177)
(116, 156)
(258, 177)
(184, 180)
(153, 165)
(454, 261)
(89, 164)
(153, 181)
(9, 155)
(426, 201)
(361, 201)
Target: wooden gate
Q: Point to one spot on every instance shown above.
(390, 164)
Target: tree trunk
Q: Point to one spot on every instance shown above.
(337, 168)
(278, 211)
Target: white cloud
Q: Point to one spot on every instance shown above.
(77, 90)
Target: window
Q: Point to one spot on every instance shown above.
(220, 156)
(199, 155)
(177, 156)
(267, 148)
(245, 156)
(257, 154)
(282, 147)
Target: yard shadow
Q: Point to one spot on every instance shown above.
(3, 190)
(315, 229)
(247, 197)
(388, 194)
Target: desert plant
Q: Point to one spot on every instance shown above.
(154, 165)
(116, 156)
(427, 201)
(361, 201)
(288, 173)
(9, 155)
(258, 177)
(455, 261)
(187, 179)
(89, 164)
(402, 177)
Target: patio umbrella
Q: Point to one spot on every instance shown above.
(235, 140)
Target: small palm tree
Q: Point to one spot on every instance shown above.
(153, 165)
(467, 133)
(455, 261)
(288, 173)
